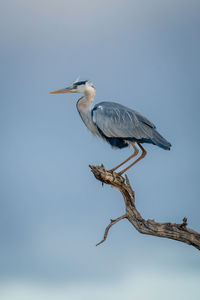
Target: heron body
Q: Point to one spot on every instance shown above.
(115, 123)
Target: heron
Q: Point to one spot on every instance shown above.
(117, 124)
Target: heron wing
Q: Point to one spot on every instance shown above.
(116, 120)
(143, 119)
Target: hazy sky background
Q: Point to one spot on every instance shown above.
(143, 54)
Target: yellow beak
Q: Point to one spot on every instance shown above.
(63, 91)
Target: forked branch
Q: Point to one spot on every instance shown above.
(179, 232)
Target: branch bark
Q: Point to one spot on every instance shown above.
(179, 232)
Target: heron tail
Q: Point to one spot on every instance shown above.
(158, 140)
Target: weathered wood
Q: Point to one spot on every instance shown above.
(179, 232)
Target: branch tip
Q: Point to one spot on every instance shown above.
(112, 222)
(184, 224)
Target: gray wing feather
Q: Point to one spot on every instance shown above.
(116, 120)
(144, 120)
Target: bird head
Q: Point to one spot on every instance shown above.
(83, 87)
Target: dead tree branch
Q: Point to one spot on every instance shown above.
(179, 232)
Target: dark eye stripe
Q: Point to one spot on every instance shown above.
(80, 82)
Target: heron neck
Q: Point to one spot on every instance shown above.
(84, 109)
(85, 102)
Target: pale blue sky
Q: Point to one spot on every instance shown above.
(143, 54)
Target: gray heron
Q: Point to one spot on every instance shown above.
(119, 125)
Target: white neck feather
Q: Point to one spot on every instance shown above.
(84, 109)
(85, 102)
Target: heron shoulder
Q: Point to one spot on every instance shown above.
(113, 109)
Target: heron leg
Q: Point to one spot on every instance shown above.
(144, 152)
(136, 151)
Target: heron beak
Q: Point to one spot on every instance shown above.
(63, 91)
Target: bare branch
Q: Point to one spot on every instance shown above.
(112, 222)
(174, 231)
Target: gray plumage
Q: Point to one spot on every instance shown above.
(115, 121)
